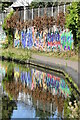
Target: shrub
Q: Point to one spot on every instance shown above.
(73, 20)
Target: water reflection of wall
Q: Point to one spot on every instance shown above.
(35, 78)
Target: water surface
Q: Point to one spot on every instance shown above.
(29, 92)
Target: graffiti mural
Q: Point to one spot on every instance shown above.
(23, 39)
(67, 40)
(26, 38)
(16, 39)
(53, 41)
(29, 38)
(45, 40)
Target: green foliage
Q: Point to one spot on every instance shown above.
(36, 5)
(10, 72)
(6, 4)
(72, 20)
(66, 110)
(78, 32)
(8, 31)
(74, 109)
(10, 38)
(5, 46)
(40, 3)
(18, 53)
(5, 21)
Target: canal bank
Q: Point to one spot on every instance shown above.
(67, 71)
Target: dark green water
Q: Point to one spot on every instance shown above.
(29, 92)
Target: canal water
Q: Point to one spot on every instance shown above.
(29, 92)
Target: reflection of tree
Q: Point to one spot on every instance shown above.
(41, 114)
(7, 107)
(13, 88)
(60, 103)
(67, 111)
(10, 72)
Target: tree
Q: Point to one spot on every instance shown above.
(72, 20)
(6, 4)
(40, 3)
(11, 22)
(7, 29)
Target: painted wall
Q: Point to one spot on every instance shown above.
(45, 41)
(16, 39)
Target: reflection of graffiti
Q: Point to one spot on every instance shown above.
(40, 79)
(44, 101)
(46, 41)
(17, 39)
(35, 78)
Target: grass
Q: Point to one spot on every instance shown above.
(16, 53)
(68, 55)
(24, 54)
